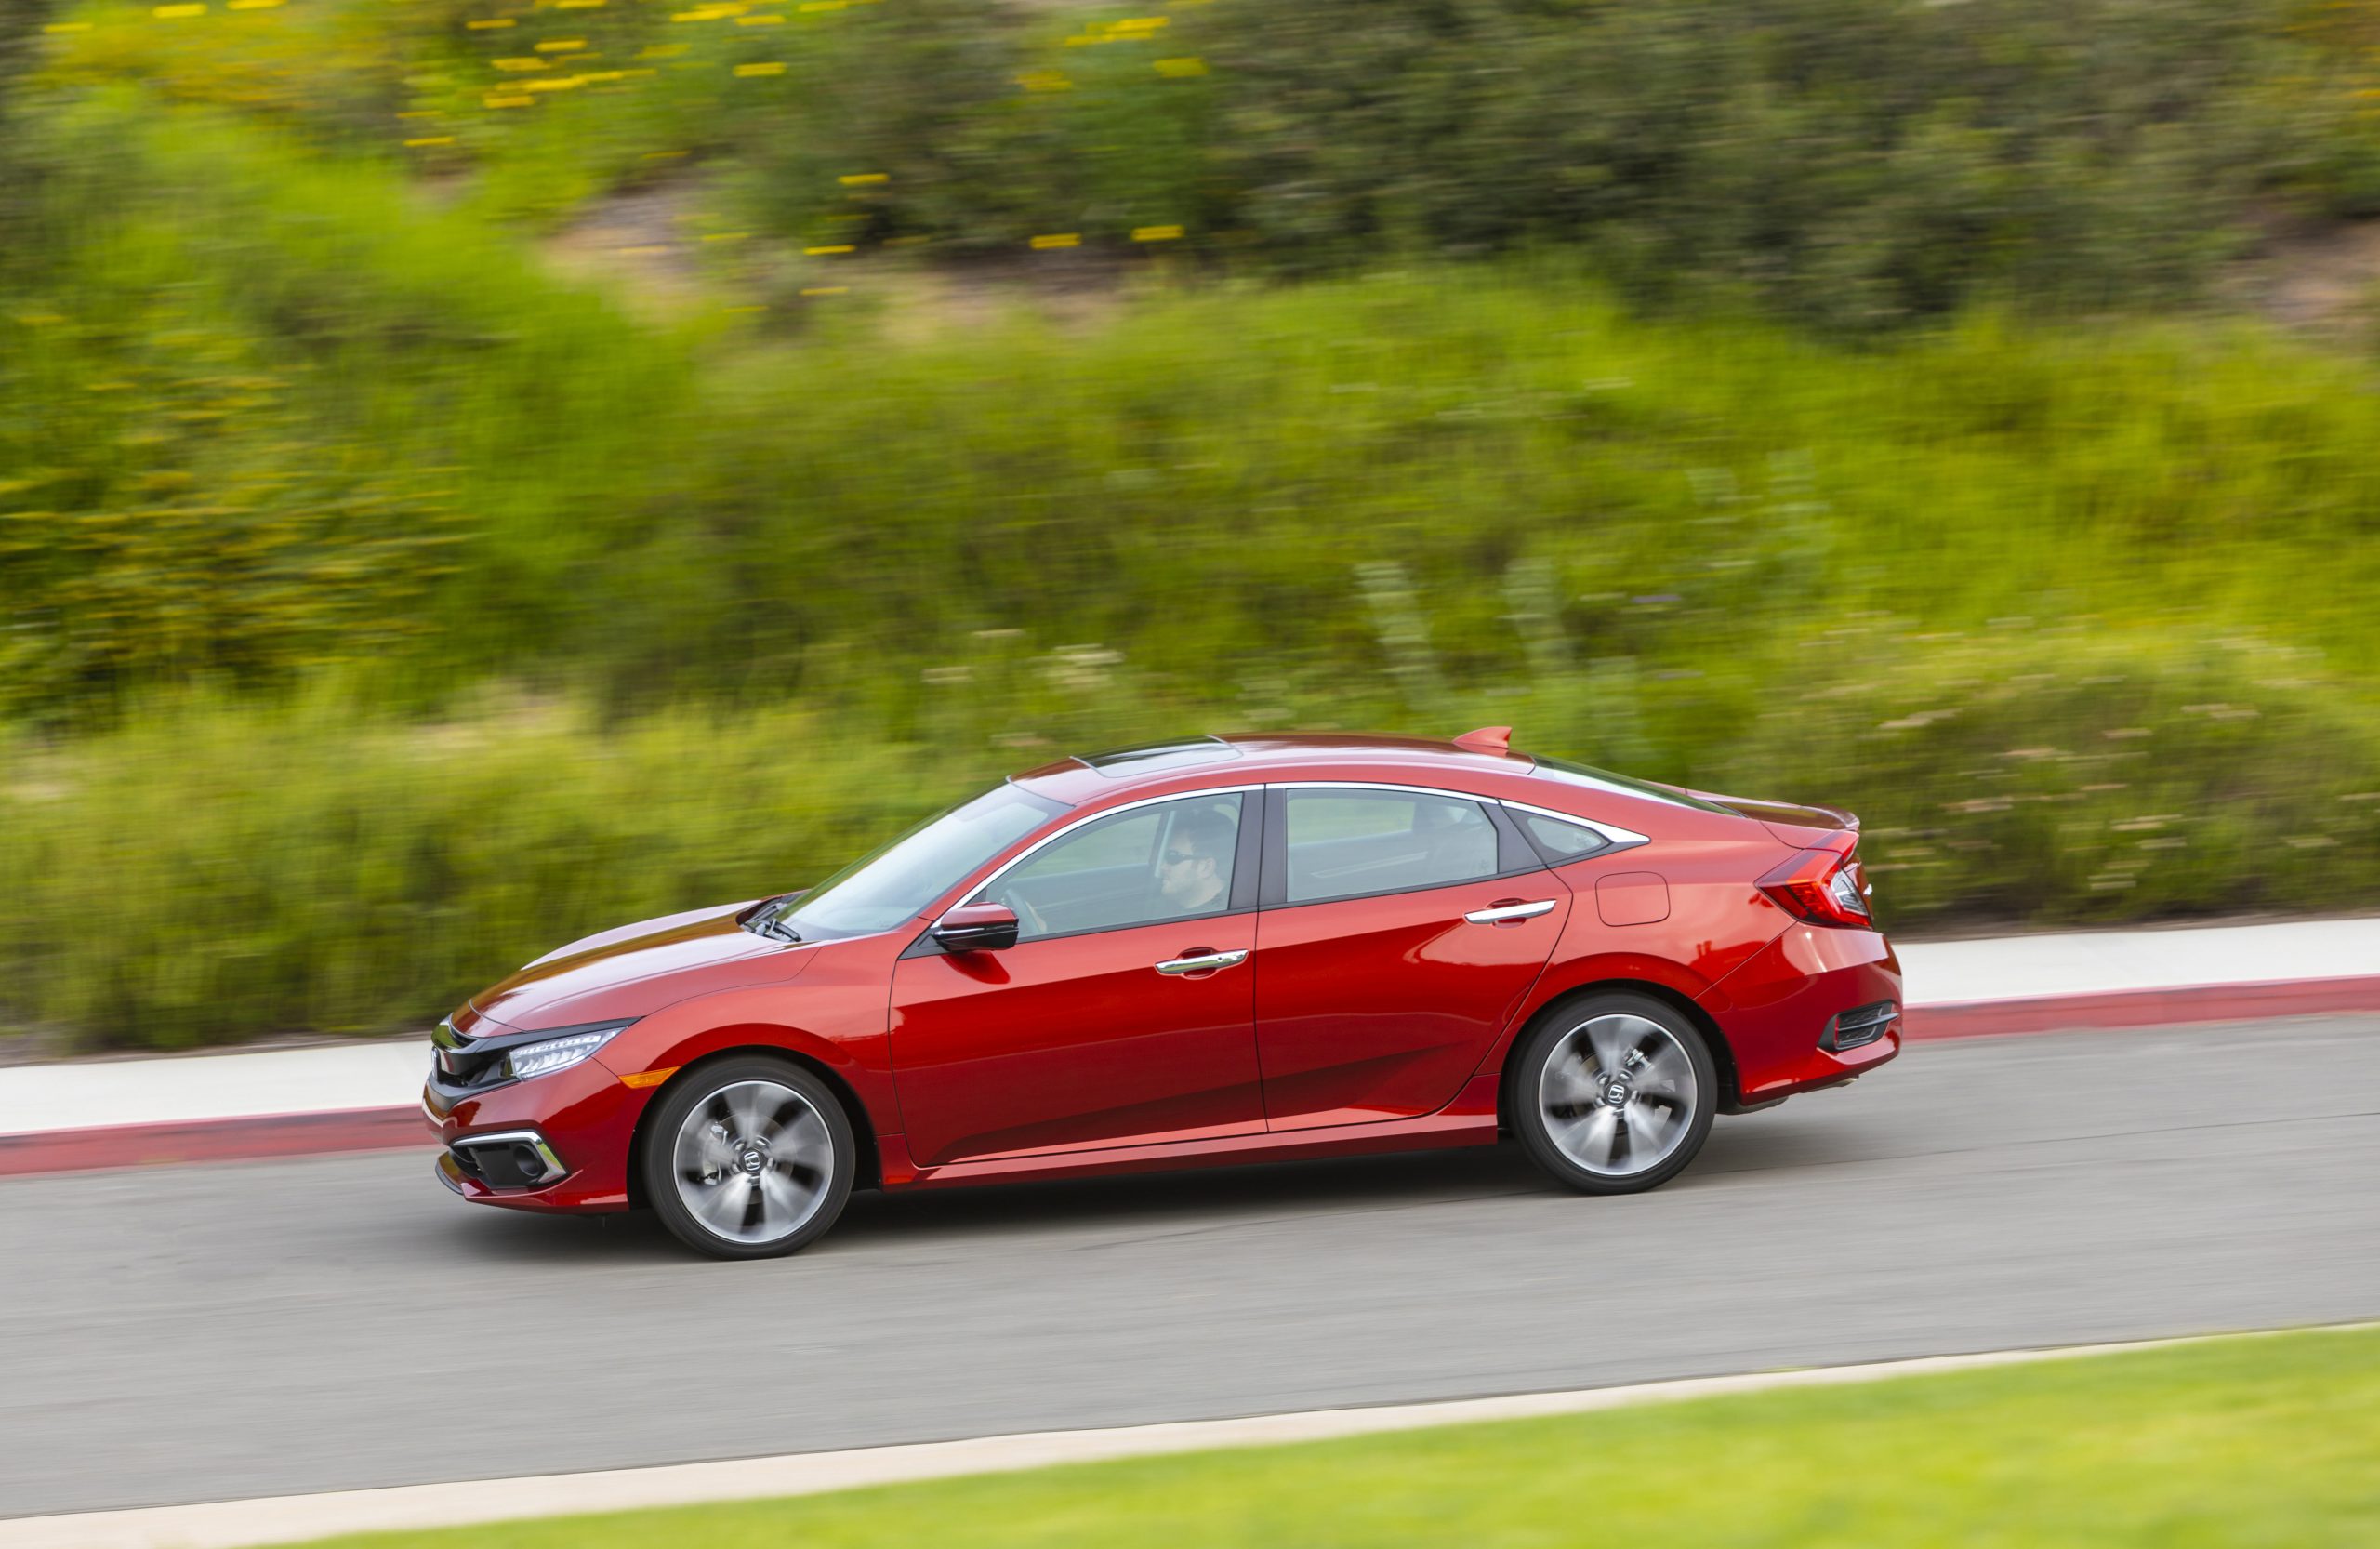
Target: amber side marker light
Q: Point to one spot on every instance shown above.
(648, 1078)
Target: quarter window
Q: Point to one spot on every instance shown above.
(1346, 843)
(1559, 841)
(1169, 861)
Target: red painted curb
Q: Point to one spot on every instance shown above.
(2141, 1008)
(307, 1134)
(280, 1134)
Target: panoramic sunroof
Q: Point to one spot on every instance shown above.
(1118, 763)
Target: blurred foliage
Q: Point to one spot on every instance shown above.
(331, 523)
(2324, 97)
(2069, 774)
(219, 868)
(255, 411)
(424, 454)
(222, 870)
(1854, 161)
(1859, 163)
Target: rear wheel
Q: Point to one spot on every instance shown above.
(1614, 1093)
(748, 1159)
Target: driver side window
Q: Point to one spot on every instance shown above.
(1170, 861)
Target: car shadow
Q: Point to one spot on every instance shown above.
(875, 1220)
(1152, 1198)
(1156, 1202)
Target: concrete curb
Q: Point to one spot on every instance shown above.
(383, 1129)
(199, 1140)
(294, 1518)
(2113, 1010)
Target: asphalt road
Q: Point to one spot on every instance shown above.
(266, 1328)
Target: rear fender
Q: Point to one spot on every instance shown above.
(1615, 970)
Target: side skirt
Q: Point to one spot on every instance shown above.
(1438, 1131)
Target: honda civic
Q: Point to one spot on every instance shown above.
(1213, 950)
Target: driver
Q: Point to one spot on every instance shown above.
(1192, 874)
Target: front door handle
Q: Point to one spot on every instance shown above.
(1205, 962)
(1503, 914)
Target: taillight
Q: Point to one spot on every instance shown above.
(1822, 887)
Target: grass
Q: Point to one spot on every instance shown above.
(2253, 1441)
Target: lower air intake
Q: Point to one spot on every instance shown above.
(518, 1158)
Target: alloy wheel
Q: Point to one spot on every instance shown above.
(753, 1162)
(1618, 1094)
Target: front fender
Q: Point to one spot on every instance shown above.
(853, 1047)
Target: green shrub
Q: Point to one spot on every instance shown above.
(2071, 774)
(1858, 163)
(218, 870)
(261, 414)
(435, 459)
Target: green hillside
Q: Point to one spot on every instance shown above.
(389, 600)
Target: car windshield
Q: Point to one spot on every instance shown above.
(897, 881)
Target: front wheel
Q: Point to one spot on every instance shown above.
(748, 1159)
(1614, 1093)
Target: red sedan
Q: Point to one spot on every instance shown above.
(1214, 951)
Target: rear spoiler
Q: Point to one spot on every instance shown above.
(1803, 826)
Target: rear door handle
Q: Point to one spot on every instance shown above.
(1205, 962)
(1506, 913)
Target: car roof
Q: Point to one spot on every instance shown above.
(1259, 756)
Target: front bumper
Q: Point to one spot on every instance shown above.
(583, 1117)
(1781, 1011)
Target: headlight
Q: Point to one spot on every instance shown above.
(558, 1054)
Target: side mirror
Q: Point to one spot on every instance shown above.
(976, 928)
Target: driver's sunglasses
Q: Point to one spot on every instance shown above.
(1177, 857)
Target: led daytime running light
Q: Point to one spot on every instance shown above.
(557, 1053)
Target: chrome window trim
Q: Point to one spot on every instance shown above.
(976, 891)
(1615, 836)
(1612, 832)
(1380, 785)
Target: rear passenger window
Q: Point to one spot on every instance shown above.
(1346, 843)
(1559, 841)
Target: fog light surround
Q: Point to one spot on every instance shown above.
(510, 1158)
(1859, 1027)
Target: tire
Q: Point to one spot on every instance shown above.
(749, 1158)
(1598, 1139)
